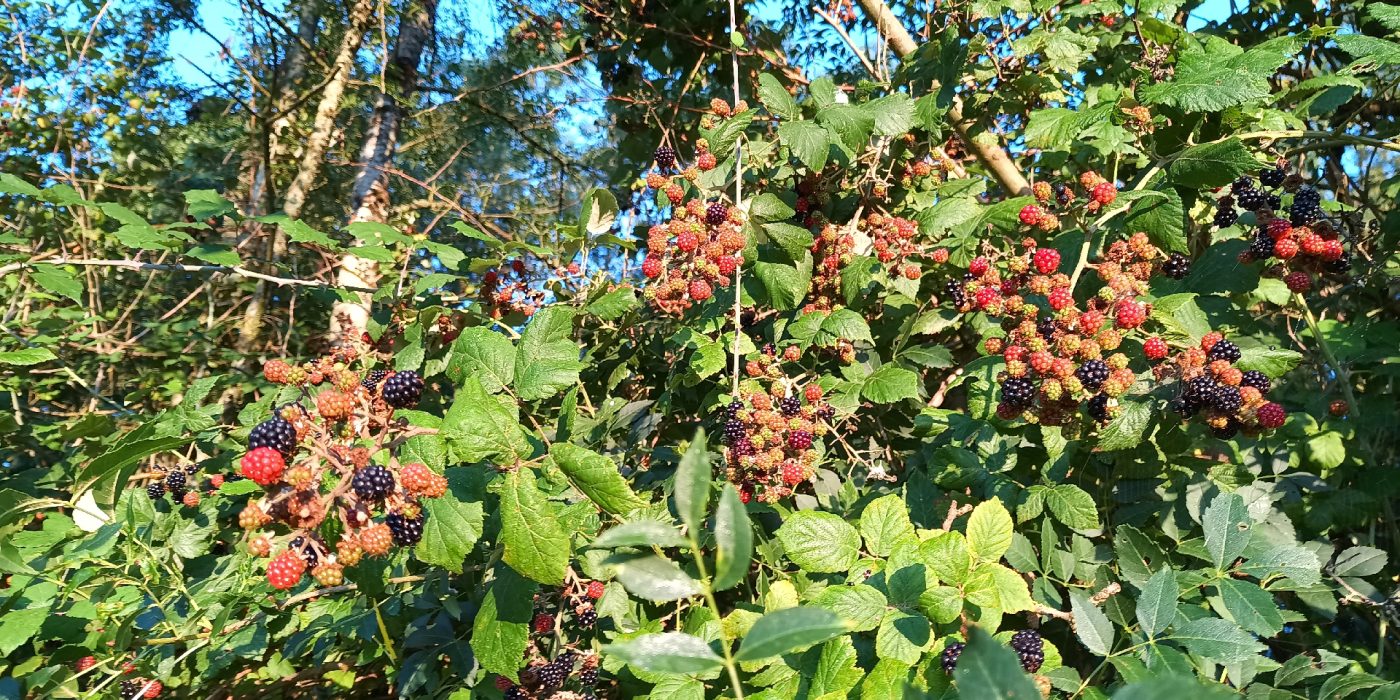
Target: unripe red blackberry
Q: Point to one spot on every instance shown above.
(979, 266)
(700, 290)
(1270, 416)
(1046, 260)
(1030, 214)
(1338, 408)
(652, 267)
(799, 440)
(1155, 348)
(276, 371)
(286, 570)
(706, 161)
(86, 663)
(376, 540)
(1298, 281)
(263, 465)
(1104, 193)
(595, 589)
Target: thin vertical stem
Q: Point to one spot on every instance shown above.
(738, 198)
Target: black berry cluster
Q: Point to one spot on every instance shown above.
(276, 433)
(373, 378)
(1176, 266)
(950, 656)
(406, 528)
(403, 389)
(1030, 648)
(372, 483)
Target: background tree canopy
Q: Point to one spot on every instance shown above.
(436, 348)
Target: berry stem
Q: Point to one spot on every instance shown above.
(1343, 377)
(738, 199)
(729, 665)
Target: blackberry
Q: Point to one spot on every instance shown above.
(403, 389)
(799, 440)
(1031, 648)
(308, 554)
(1256, 379)
(174, 480)
(1274, 202)
(1098, 407)
(956, 293)
(1063, 194)
(1226, 432)
(1243, 184)
(156, 490)
(733, 430)
(1303, 214)
(1185, 406)
(372, 483)
(665, 156)
(1341, 265)
(566, 659)
(132, 689)
(1200, 388)
(1262, 247)
(716, 213)
(732, 410)
(1177, 266)
(191, 468)
(1224, 350)
(1272, 178)
(552, 675)
(588, 676)
(826, 413)
(406, 531)
(743, 447)
(950, 656)
(275, 433)
(1226, 216)
(1306, 195)
(790, 405)
(1045, 327)
(1018, 391)
(515, 692)
(372, 380)
(1252, 200)
(1093, 373)
(588, 618)
(1226, 398)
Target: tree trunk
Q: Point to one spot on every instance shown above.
(370, 196)
(312, 156)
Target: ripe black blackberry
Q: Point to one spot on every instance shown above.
(1176, 266)
(1262, 247)
(1272, 178)
(826, 413)
(1274, 202)
(956, 293)
(403, 389)
(1063, 194)
(1224, 350)
(406, 531)
(1030, 647)
(553, 675)
(1341, 265)
(1252, 200)
(191, 468)
(1098, 407)
(1184, 405)
(716, 213)
(733, 431)
(1092, 374)
(372, 483)
(1200, 388)
(156, 490)
(1226, 398)
(665, 157)
(132, 689)
(515, 692)
(1226, 215)
(1228, 431)
(1256, 379)
(276, 433)
(308, 554)
(1243, 184)
(1018, 392)
(372, 380)
(174, 480)
(732, 410)
(1045, 327)
(790, 405)
(950, 656)
(588, 618)
(588, 677)
(1303, 214)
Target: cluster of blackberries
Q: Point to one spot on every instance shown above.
(175, 482)
(1176, 266)
(373, 378)
(1232, 400)
(1245, 195)
(556, 672)
(1028, 645)
(403, 389)
(407, 529)
(956, 292)
(276, 433)
(372, 483)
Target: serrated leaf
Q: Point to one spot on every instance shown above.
(1359, 561)
(889, 384)
(819, 542)
(501, 631)
(547, 357)
(1216, 639)
(989, 530)
(668, 652)
(883, 522)
(536, 545)
(596, 476)
(692, 484)
(454, 522)
(1227, 528)
(808, 141)
(1173, 688)
(767, 207)
(1073, 506)
(1273, 362)
(987, 669)
(842, 324)
(733, 540)
(614, 304)
(481, 426)
(1090, 624)
(26, 356)
(786, 284)
(862, 606)
(485, 354)
(1156, 606)
(776, 98)
(894, 114)
(1127, 429)
(1252, 607)
(1213, 164)
(641, 533)
(216, 254)
(902, 636)
(653, 577)
(789, 629)
(794, 240)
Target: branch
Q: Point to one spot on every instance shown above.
(236, 270)
(992, 156)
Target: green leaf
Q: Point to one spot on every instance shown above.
(57, 280)
(894, 114)
(794, 240)
(1181, 317)
(883, 522)
(479, 426)
(1252, 607)
(106, 475)
(653, 577)
(1156, 606)
(836, 672)
(1126, 430)
(26, 356)
(203, 204)
(1173, 688)
(298, 232)
(454, 522)
(1212, 164)
(852, 123)
(501, 631)
(1273, 362)
(948, 556)
(989, 530)
(733, 540)
(641, 533)
(862, 606)
(1327, 450)
(1090, 624)
(1163, 219)
(536, 545)
(986, 669)
(902, 636)
(1218, 640)
(1359, 561)
(1012, 590)
(786, 284)
(9, 184)
(614, 304)
(1206, 85)
(890, 383)
(596, 476)
(484, 354)
(819, 542)
(776, 98)
(668, 652)
(216, 254)
(1226, 524)
(18, 626)
(843, 324)
(789, 629)
(1370, 50)
(692, 489)
(547, 358)
(808, 141)
(1073, 506)
(1342, 686)
(767, 207)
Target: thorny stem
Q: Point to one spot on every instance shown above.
(1343, 378)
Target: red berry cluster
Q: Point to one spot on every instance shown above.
(770, 432)
(893, 240)
(311, 460)
(1228, 399)
(832, 250)
(508, 290)
(699, 248)
(568, 630)
(1056, 198)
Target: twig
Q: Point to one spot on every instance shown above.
(869, 67)
(237, 270)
